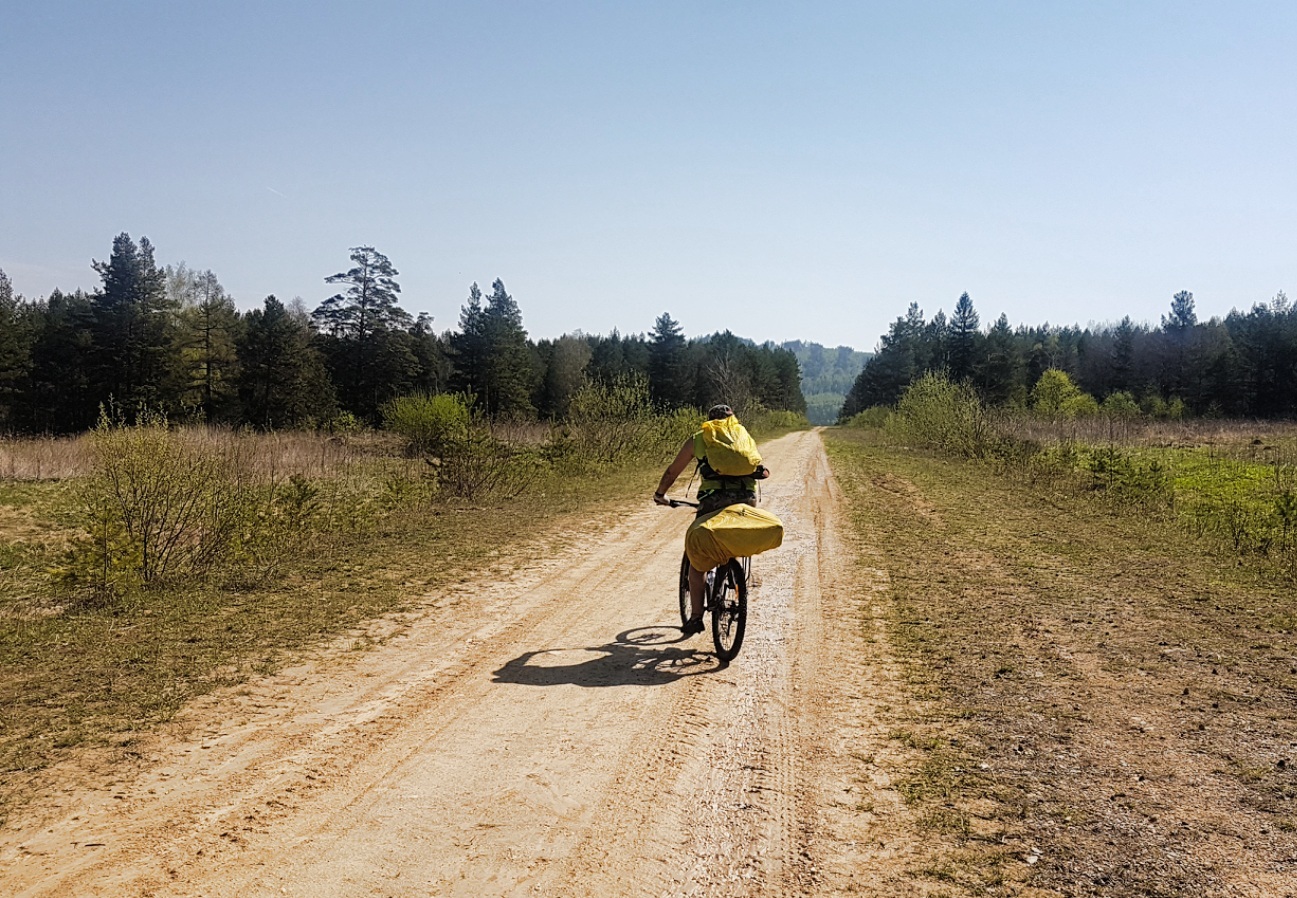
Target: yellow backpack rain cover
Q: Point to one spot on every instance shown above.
(730, 448)
(736, 531)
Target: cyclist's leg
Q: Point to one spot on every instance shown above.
(697, 586)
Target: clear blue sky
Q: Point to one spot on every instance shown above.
(788, 170)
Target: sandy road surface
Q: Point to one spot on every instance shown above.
(544, 733)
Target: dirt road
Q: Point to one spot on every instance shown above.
(547, 732)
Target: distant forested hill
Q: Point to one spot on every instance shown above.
(827, 375)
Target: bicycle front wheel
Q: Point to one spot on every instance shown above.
(729, 608)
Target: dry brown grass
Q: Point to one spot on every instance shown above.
(1099, 430)
(43, 458)
(314, 455)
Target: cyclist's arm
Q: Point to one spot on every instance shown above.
(682, 459)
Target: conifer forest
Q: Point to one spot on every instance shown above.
(171, 340)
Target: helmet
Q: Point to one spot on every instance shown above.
(718, 412)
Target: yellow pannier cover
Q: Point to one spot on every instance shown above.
(733, 532)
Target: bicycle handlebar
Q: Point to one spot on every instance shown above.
(761, 473)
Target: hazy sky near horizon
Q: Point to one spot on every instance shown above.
(789, 171)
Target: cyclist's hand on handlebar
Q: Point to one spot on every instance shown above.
(761, 473)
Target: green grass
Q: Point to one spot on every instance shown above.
(1085, 675)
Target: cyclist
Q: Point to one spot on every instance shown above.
(716, 491)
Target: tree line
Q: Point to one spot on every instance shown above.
(1242, 365)
(170, 339)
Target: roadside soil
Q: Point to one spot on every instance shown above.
(545, 731)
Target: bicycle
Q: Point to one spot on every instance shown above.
(726, 597)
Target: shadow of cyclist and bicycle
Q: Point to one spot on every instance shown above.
(642, 656)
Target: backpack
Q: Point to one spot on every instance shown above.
(731, 451)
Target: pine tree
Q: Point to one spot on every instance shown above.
(282, 380)
(899, 360)
(787, 386)
(565, 373)
(1177, 327)
(15, 354)
(964, 343)
(936, 340)
(132, 315)
(469, 346)
(607, 357)
(432, 353)
(999, 374)
(1182, 316)
(61, 398)
(671, 378)
(365, 334)
(1123, 356)
(510, 369)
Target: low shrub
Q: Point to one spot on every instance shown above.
(477, 464)
(162, 504)
(1056, 394)
(429, 424)
(936, 413)
(1125, 477)
(156, 505)
(876, 417)
(610, 423)
(762, 423)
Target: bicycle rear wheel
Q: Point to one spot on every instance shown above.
(729, 607)
(684, 591)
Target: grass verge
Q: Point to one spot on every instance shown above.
(1102, 702)
(79, 675)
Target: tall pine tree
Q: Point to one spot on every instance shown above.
(132, 317)
(365, 334)
(964, 340)
(469, 349)
(510, 370)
